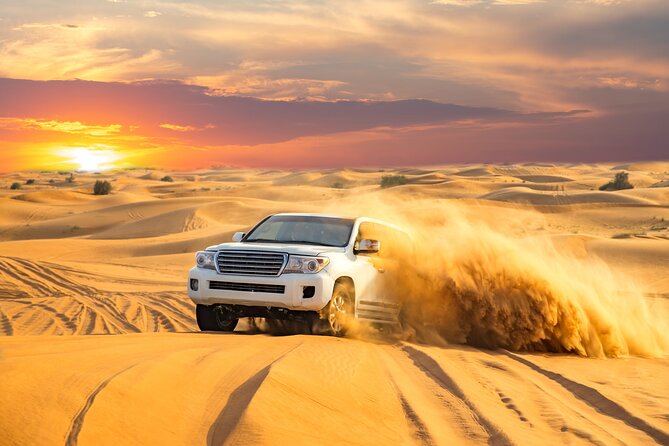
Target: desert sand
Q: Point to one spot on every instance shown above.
(99, 343)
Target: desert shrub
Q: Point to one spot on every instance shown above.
(15, 186)
(393, 180)
(167, 178)
(70, 179)
(338, 185)
(30, 181)
(619, 182)
(52, 181)
(102, 188)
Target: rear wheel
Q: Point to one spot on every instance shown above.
(340, 311)
(213, 318)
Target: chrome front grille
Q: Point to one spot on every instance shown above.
(251, 263)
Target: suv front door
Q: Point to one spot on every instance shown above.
(376, 301)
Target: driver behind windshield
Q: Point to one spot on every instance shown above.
(320, 231)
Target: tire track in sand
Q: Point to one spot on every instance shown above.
(78, 420)
(432, 369)
(65, 321)
(593, 398)
(6, 324)
(239, 400)
(420, 430)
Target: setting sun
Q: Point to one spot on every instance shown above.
(90, 160)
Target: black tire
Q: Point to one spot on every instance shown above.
(340, 311)
(211, 318)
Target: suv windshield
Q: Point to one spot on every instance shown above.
(301, 229)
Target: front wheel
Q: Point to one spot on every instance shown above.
(212, 318)
(340, 311)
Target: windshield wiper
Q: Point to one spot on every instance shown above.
(299, 242)
(307, 242)
(266, 240)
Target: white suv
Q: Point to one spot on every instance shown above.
(321, 269)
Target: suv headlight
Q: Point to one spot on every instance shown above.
(305, 264)
(205, 259)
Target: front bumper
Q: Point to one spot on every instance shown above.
(292, 297)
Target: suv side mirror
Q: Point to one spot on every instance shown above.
(238, 236)
(368, 246)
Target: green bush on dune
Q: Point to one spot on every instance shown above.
(102, 188)
(167, 178)
(15, 186)
(619, 182)
(393, 180)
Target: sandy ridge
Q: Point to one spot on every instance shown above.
(259, 389)
(75, 264)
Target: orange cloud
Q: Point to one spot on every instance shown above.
(74, 127)
(526, 56)
(175, 125)
(185, 128)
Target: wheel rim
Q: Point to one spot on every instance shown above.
(222, 320)
(337, 313)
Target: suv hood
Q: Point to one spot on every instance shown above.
(303, 250)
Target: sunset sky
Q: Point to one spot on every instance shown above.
(324, 83)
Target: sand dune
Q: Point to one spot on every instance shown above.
(476, 172)
(73, 264)
(54, 196)
(543, 178)
(298, 178)
(180, 388)
(652, 166)
(530, 196)
(630, 256)
(48, 298)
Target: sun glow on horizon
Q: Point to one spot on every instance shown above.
(90, 160)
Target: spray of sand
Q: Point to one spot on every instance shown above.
(467, 279)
